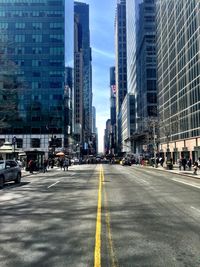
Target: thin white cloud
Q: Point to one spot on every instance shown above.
(103, 53)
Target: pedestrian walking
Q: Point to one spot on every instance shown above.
(184, 162)
(45, 165)
(52, 163)
(61, 163)
(161, 161)
(66, 164)
(189, 163)
(195, 167)
(179, 164)
(31, 166)
(198, 162)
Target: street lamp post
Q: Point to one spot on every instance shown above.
(154, 144)
(14, 143)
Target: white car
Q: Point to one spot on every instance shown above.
(76, 161)
(9, 171)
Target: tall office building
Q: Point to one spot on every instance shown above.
(178, 45)
(69, 75)
(127, 123)
(107, 135)
(68, 108)
(121, 64)
(94, 120)
(146, 75)
(146, 60)
(94, 139)
(78, 84)
(141, 68)
(131, 45)
(113, 109)
(81, 11)
(36, 32)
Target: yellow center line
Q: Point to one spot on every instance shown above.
(97, 253)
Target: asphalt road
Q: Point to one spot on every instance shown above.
(92, 216)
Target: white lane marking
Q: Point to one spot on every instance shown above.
(195, 209)
(53, 184)
(193, 185)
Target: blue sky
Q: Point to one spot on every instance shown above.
(102, 14)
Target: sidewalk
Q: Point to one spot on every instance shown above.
(176, 170)
(27, 173)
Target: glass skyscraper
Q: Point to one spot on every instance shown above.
(36, 33)
(84, 58)
(141, 66)
(178, 46)
(120, 64)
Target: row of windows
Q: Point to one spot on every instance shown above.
(31, 2)
(35, 142)
(37, 38)
(184, 128)
(35, 25)
(25, 14)
(39, 50)
(42, 50)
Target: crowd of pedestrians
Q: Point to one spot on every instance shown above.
(183, 163)
(63, 163)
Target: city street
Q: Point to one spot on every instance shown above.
(101, 215)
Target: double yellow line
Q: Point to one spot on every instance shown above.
(97, 252)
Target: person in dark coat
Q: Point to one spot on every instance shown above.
(66, 164)
(31, 166)
(45, 165)
(195, 167)
(184, 162)
(189, 163)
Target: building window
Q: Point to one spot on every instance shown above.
(19, 25)
(3, 26)
(37, 38)
(37, 25)
(55, 85)
(36, 63)
(19, 143)
(20, 38)
(36, 74)
(36, 118)
(35, 142)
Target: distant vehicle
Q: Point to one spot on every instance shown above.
(117, 160)
(9, 171)
(98, 159)
(76, 161)
(126, 161)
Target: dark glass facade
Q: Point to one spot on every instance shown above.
(113, 109)
(121, 64)
(36, 31)
(146, 61)
(81, 11)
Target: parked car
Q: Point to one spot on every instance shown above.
(9, 171)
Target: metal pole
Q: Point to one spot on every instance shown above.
(14, 142)
(154, 144)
